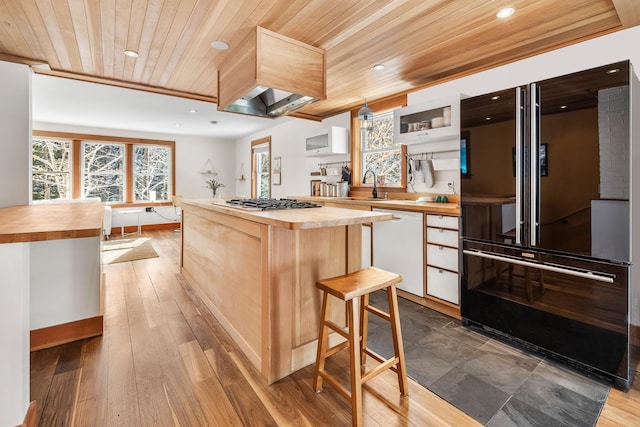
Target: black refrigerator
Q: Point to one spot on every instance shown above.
(546, 217)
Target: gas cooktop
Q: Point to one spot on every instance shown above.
(270, 204)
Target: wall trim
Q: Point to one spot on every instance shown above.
(66, 332)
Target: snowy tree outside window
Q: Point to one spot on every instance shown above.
(51, 169)
(103, 171)
(118, 171)
(380, 154)
(151, 172)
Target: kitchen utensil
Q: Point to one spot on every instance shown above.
(427, 172)
(411, 172)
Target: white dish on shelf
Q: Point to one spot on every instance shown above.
(437, 122)
(425, 199)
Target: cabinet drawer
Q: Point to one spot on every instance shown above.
(441, 256)
(442, 284)
(442, 221)
(441, 236)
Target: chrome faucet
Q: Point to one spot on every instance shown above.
(374, 193)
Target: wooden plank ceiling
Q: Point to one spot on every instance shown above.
(420, 42)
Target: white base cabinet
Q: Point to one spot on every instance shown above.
(397, 247)
(442, 258)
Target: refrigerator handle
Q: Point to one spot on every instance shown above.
(586, 274)
(534, 171)
(519, 162)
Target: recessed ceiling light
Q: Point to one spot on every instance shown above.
(131, 53)
(193, 110)
(563, 107)
(178, 124)
(487, 118)
(378, 67)
(505, 12)
(219, 45)
(613, 71)
(495, 98)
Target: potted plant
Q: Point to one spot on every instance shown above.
(213, 184)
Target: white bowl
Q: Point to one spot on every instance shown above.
(437, 122)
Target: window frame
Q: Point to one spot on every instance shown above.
(76, 167)
(356, 150)
(266, 141)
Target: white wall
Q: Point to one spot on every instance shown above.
(15, 134)
(65, 281)
(288, 142)
(14, 332)
(192, 153)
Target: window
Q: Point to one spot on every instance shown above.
(103, 173)
(51, 169)
(375, 150)
(151, 172)
(380, 154)
(261, 168)
(117, 170)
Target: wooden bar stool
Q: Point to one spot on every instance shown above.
(354, 289)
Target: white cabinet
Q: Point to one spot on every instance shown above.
(398, 247)
(427, 122)
(366, 246)
(442, 257)
(327, 141)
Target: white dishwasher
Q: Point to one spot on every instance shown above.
(398, 247)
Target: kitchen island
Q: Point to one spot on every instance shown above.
(256, 271)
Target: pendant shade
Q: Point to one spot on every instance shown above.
(365, 114)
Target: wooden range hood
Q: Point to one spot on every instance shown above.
(270, 75)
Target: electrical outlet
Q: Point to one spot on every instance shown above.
(149, 209)
(451, 187)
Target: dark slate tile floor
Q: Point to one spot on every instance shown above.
(495, 383)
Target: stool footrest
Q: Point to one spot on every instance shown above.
(380, 313)
(337, 328)
(336, 348)
(379, 358)
(387, 364)
(335, 384)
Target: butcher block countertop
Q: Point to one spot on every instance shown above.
(32, 223)
(293, 219)
(452, 209)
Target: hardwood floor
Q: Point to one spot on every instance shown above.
(164, 360)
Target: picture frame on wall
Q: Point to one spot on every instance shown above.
(277, 170)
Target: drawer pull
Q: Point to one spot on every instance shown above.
(440, 271)
(440, 248)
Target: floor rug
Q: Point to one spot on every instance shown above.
(122, 250)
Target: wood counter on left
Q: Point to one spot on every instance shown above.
(256, 271)
(61, 247)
